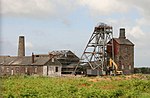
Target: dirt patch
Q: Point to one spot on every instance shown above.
(100, 79)
(117, 78)
(84, 85)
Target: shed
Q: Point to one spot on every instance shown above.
(68, 60)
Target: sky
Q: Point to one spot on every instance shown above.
(68, 24)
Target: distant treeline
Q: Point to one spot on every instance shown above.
(143, 70)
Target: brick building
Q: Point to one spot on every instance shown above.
(123, 53)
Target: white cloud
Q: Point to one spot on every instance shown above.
(57, 8)
(141, 5)
(104, 7)
(26, 7)
(118, 7)
(137, 32)
(53, 7)
(36, 8)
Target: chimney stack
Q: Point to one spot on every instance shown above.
(32, 57)
(51, 55)
(21, 47)
(122, 33)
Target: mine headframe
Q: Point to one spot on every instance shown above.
(95, 57)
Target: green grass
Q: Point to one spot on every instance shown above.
(69, 87)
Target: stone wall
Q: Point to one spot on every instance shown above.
(54, 71)
(20, 70)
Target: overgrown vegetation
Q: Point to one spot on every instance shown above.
(73, 87)
(143, 70)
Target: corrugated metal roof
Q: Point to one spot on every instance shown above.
(123, 41)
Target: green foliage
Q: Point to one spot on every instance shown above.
(143, 70)
(64, 87)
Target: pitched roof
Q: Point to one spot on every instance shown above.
(6, 60)
(56, 62)
(27, 60)
(60, 53)
(123, 41)
(63, 53)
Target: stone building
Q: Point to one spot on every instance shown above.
(31, 65)
(123, 53)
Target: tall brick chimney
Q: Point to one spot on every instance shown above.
(32, 57)
(21, 47)
(122, 33)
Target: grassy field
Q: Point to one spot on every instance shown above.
(135, 86)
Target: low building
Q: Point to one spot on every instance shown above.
(42, 65)
(30, 65)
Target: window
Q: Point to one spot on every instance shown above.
(122, 66)
(66, 55)
(52, 59)
(17, 69)
(130, 67)
(35, 69)
(56, 69)
(126, 50)
(26, 70)
(7, 69)
(37, 56)
(2, 69)
(12, 72)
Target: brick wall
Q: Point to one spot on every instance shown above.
(125, 58)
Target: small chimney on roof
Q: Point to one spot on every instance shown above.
(32, 57)
(122, 33)
(21, 47)
(51, 55)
